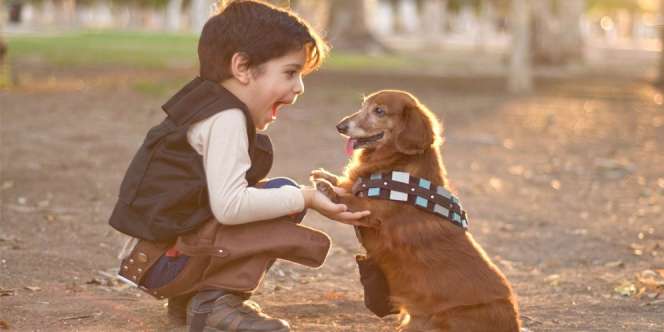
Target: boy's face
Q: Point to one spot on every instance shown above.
(273, 84)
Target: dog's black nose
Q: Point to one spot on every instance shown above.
(342, 128)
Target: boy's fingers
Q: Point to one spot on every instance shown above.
(341, 207)
(356, 222)
(353, 215)
(339, 190)
(335, 208)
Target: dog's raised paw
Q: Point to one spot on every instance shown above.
(326, 188)
(321, 173)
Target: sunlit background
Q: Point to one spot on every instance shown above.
(554, 125)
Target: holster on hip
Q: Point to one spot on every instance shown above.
(239, 255)
(229, 257)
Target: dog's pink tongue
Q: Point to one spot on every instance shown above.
(350, 147)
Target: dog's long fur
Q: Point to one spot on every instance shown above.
(440, 278)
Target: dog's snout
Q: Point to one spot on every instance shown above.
(342, 127)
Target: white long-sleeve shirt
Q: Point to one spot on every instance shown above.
(223, 142)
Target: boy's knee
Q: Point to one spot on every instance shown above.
(280, 182)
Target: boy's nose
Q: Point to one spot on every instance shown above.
(299, 87)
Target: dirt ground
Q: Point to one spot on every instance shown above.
(565, 189)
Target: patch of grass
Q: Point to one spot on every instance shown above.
(99, 48)
(156, 50)
(159, 88)
(350, 61)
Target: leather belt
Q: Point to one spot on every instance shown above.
(135, 266)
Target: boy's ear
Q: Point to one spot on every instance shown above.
(240, 68)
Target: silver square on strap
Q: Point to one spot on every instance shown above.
(441, 210)
(421, 202)
(401, 177)
(443, 192)
(398, 196)
(373, 192)
(426, 184)
(375, 176)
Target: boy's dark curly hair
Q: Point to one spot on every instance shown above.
(258, 30)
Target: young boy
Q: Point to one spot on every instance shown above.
(206, 228)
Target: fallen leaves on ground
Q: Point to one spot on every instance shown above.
(626, 288)
(334, 296)
(553, 280)
(647, 285)
(7, 292)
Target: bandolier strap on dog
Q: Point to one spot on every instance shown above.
(421, 193)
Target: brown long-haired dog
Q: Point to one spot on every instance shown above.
(438, 276)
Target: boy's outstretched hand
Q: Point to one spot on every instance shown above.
(316, 200)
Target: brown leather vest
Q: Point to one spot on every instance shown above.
(164, 191)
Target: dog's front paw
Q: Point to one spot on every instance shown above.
(368, 222)
(321, 173)
(326, 188)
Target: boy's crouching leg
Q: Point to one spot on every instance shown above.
(281, 182)
(220, 311)
(177, 309)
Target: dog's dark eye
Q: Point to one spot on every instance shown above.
(379, 111)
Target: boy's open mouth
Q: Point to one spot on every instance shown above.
(276, 106)
(359, 142)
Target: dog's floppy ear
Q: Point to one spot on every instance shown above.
(416, 133)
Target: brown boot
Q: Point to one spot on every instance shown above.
(230, 313)
(177, 309)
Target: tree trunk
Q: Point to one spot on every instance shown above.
(486, 24)
(660, 80)
(348, 27)
(571, 38)
(432, 18)
(200, 12)
(67, 10)
(174, 15)
(398, 26)
(545, 37)
(520, 75)
(316, 12)
(556, 34)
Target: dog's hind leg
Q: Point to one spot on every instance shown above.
(498, 316)
(422, 324)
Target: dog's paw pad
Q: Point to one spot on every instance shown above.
(326, 189)
(322, 174)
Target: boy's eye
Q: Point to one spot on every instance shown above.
(379, 111)
(291, 73)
